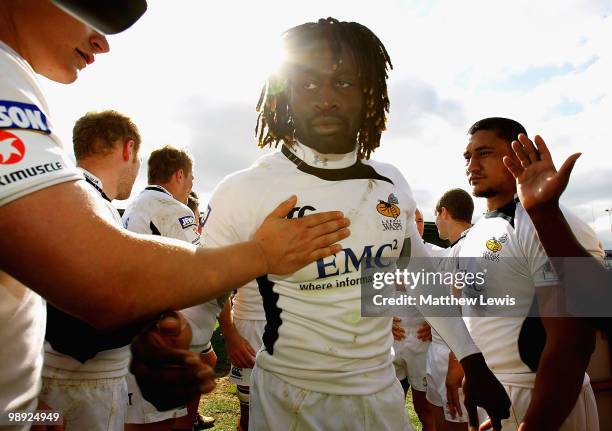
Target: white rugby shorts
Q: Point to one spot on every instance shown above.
(277, 405)
(96, 404)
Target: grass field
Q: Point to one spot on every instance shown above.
(223, 405)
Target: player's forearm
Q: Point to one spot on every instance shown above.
(178, 277)
(104, 275)
(558, 383)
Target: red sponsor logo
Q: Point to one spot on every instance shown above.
(12, 148)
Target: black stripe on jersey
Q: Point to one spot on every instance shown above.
(506, 212)
(358, 171)
(95, 186)
(532, 338)
(154, 229)
(273, 319)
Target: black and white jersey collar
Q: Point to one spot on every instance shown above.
(159, 189)
(461, 237)
(330, 167)
(322, 161)
(95, 182)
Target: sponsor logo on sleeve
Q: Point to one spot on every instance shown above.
(32, 171)
(12, 149)
(24, 116)
(187, 221)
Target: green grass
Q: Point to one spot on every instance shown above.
(222, 403)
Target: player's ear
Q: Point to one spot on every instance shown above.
(129, 150)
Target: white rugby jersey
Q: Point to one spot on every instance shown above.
(108, 363)
(505, 245)
(315, 337)
(31, 158)
(156, 212)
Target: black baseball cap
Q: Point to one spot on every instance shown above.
(105, 16)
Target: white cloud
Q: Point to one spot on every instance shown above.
(455, 62)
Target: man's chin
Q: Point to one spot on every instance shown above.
(484, 193)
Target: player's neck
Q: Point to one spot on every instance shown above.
(174, 189)
(499, 200)
(321, 160)
(7, 31)
(108, 176)
(456, 229)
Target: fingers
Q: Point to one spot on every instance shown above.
(515, 169)
(171, 324)
(316, 219)
(566, 168)
(322, 252)
(472, 413)
(329, 226)
(542, 148)
(282, 210)
(153, 352)
(528, 147)
(519, 150)
(486, 425)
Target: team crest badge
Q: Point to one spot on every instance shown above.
(494, 245)
(389, 208)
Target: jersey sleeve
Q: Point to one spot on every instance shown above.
(31, 155)
(540, 267)
(180, 223)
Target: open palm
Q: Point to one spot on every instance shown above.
(538, 183)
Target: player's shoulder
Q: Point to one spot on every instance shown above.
(584, 233)
(250, 182)
(22, 104)
(391, 172)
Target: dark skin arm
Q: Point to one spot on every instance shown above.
(539, 187)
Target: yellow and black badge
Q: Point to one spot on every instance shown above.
(494, 245)
(389, 208)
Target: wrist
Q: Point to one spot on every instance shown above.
(474, 363)
(544, 211)
(259, 257)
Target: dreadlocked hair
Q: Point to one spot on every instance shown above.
(274, 122)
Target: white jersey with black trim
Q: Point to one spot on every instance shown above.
(315, 336)
(156, 212)
(31, 158)
(504, 245)
(108, 363)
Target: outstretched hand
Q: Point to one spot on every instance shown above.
(289, 245)
(538, 183)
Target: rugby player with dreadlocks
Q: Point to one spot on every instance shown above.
(323, 365)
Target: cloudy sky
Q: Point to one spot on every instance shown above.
(191, 77)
